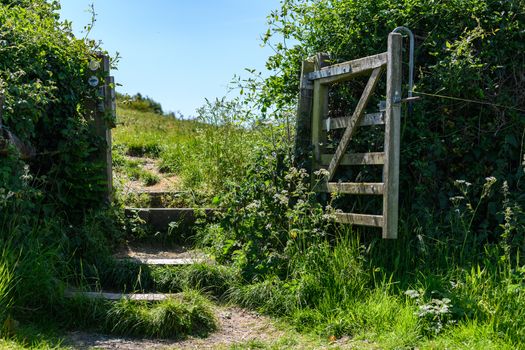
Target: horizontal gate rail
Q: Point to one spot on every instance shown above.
(359, 219)
(348, 70)
(342, 122)
(359, 188)
(374, 158)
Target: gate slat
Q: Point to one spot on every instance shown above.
(373, 158)
(359, 188)
(354, 120)
(359, 219)
(367, 120)
(347, 70)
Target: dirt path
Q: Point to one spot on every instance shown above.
(236, 326)
(156, 251)
(168, 182)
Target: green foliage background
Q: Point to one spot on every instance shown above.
(454, 278)
(140, 103)
(468, 49)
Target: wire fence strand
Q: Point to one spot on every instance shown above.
(470, 101)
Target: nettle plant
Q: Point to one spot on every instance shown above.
(479, 204)
(268, 218)
(435, 314)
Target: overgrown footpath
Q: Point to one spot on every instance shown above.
(455, 277)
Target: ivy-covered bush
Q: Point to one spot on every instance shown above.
(43, 75)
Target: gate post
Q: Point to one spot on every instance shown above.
(319, 111)
(392, 136)
(304, 118)
(102, 111)
(309, 114)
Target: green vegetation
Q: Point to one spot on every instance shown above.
(464, 54)
(42, 75)
(455, 277)
(29, 337)
(55, 228)
(177, 317)
(140, 103)
(168, 319)
(206, 153)
(133, 169)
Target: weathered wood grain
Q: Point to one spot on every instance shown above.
(303, 129)
(358, 188)
(359, 219)
(342, 122)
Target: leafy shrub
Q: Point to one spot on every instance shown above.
(266, 218)
(469, 55)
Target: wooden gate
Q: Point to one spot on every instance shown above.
(312, 125)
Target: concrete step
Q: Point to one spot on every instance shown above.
(160, 218)
(118, 296)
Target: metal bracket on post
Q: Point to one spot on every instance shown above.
(410, 65)
(410, 59)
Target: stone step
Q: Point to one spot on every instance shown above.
(158, 199)
(118, 296)
(161, 261)
(160, 218)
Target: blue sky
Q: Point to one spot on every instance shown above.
(178, 52)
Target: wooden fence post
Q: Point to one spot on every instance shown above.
(304, 118)
(102, 111)
(319, 110)
(392, 136)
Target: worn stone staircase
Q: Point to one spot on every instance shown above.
(144, 256)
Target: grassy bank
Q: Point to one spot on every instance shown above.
(205, 153)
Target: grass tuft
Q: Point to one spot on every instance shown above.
(191, 314)
(6, 286)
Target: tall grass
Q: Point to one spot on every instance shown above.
(6, 284)
(338, 288)
(335, 281)
(206, 153)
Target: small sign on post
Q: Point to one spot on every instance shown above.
(102, 112)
